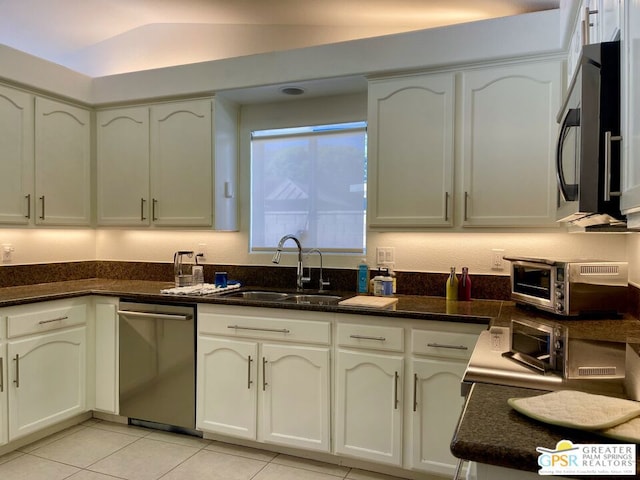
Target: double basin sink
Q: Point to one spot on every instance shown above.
(281, 297)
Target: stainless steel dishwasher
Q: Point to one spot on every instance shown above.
(157, 364)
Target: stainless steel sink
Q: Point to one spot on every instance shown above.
(259, 295)
(313, 299)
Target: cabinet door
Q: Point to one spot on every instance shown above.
(4, 428)
(181, 164)
(227, 387)
(410, 156)
(369, 406)
(435, 409)
(16, 145)
(62, 158)
(295, 396)
(508, 147)
(630, 56)
(123, 166)
(46, 380)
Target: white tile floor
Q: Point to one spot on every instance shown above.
(99, 450)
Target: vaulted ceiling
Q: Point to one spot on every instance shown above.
(105, 37)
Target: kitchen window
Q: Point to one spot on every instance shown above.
(311, 182)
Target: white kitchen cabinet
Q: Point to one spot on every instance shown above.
(106, 355)
(123, 166)
(630, 113)
(296, 378)
(410, 151)
(508, 144)
(368, 385)
(260, 377)
(368, 409)
(16, 145)
(170, 164)
(46, 379)
(46, 364)
(227, 382)
(62, 163)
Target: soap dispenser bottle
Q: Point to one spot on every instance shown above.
(363, 276)
(452, 285)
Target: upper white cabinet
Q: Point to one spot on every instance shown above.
(163, 165)
(508, 144)
(410, 151)
(123, 166)
(63, 163)
(630, 112)
(16, 148)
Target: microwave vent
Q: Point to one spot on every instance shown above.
(599, 270)
(596, 371)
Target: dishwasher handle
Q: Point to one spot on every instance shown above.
(160, 316)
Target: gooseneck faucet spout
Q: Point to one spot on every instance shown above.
(321, 283)
(300, 279)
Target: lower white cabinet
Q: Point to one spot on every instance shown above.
(44, 371)
(436, 407)
(106, 355)
(369, 406)
(260, 387)
(46, 379)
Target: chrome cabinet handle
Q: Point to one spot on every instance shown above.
(17, 380)
(466, 206)
(442, 345)
(249, 381)
(366, 337)
(415, 392)
(59, 319)
(277, 330)
(28, 197)
(264, 374)
(142, 202)
(154, 203)
(1, 375)
(395, 391)
(42, 200)
(446, 206)
(608, 138)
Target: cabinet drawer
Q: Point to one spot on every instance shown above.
(371, 337)
(41, 318)
(288, 330)
(443, 344)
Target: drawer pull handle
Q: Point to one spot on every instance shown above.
(249, 381)
(264, 374)
(366, 337)
(17, 380)
(1, 375)
(59, 319)
(442, 345)
(395, 390)
(415, 392)
(277, 330)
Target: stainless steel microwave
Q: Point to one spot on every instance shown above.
(588, 146)
(569, 288)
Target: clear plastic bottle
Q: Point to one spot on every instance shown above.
(451, 290)
(363, 276)
(464, 285)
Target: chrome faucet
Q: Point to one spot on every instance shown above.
(181, 278)
(300, 278)
(321, 283)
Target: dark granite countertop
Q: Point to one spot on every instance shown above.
(408, 306)
(491, 432)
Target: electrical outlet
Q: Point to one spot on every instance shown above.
(202, 249)
(497, 262)
(385, 255)
(7, 253)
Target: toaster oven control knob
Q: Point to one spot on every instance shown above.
(559, 295)
(559, 306)
(558, 345)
